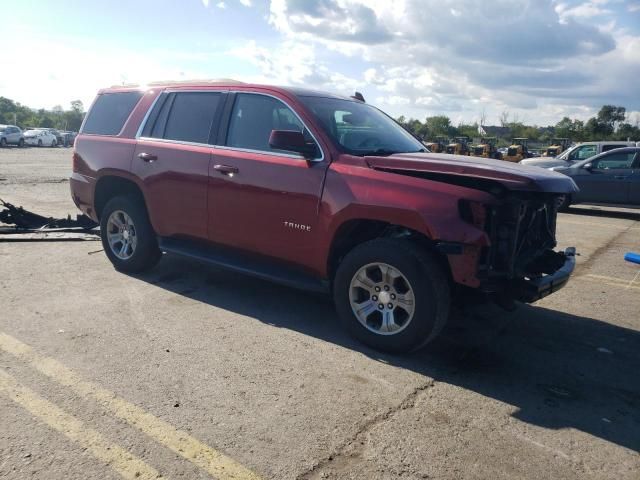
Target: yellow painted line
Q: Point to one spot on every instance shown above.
(614, 282)
(633, 280)
(125, 463)
(210, 460)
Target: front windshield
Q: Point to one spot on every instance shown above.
(360, 129)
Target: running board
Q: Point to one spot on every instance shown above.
(244, 263)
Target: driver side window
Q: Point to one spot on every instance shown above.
(253, 118)
(584, 152)
(616, 161)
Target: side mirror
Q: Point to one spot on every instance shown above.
(588, 167)
(291, 141)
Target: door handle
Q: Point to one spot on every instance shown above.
(147, 157)
(226, 169)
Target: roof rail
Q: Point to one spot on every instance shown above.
(156, 83)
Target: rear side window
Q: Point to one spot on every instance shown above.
(606, 148)
(185, 117)
(110, 111)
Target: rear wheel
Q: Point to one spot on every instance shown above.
(21, 143)
(3, 142)
(39, 143)
(54, 143)
(127, 236)
(392, 295)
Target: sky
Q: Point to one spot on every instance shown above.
(536, 60)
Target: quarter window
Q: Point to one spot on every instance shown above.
(109, 112)
(255, 116)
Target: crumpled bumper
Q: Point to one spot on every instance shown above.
(531, 290)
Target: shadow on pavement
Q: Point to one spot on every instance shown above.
(559, 370)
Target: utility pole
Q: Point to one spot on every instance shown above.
(15, 119)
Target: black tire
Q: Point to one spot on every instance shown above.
(39, 143)
(21, 143)
(3, 142)
(427, 279)
(146, 253)
(54, 143)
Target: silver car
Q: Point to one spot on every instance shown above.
(611, 178)
(11, 135)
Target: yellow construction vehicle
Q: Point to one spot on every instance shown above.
(438, 145)
(486, 148)
(459, 146)
(517, 150)
(558, 145)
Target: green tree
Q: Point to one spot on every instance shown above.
(440, 125)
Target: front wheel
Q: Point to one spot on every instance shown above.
(392, 295)
(39, 143)
(3, 142)
(54, 143)
(127, 236)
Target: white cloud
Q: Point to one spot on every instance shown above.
(246, 3)
(532, 57)
(205, 3)
(221, 5)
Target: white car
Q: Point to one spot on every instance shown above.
(40, 138)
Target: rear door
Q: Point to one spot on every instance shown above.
(172, 159)
(260, 199)
(609, 180)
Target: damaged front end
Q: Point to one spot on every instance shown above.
(520, 262)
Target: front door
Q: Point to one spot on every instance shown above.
(609, 179)
(172, 159)
(262, 200)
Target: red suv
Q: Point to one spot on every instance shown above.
(319, 192)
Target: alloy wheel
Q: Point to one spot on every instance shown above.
(382, 298)
(121, 234)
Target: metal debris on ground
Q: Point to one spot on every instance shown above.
(33, 227)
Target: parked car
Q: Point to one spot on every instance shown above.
(11, 135)
(611, 178)
(40, 138)
(318, 192)
(577, 153)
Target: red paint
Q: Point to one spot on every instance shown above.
(186, 196)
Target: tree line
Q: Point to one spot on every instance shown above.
(611, 123)
(14, 113)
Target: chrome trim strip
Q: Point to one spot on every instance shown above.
(179, 142)
(264, 152)
(225, 147)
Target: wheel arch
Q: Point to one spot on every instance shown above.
(354, 232)
(110, 186)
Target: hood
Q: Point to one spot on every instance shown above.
(439, 167)
(545, 163)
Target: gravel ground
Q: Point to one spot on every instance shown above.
(264, 374)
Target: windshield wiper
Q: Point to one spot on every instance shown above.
(383, 152)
